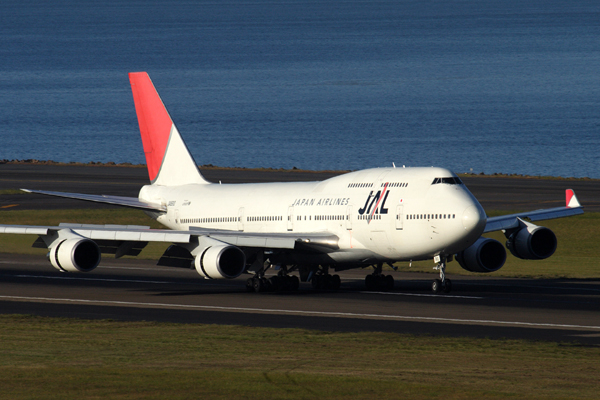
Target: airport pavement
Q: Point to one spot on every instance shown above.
(555, 310)
(494, 193)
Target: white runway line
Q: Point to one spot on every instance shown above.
(441, 295)
(540, 286)
(302, 312)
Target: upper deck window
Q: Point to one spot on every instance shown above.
(450, 181)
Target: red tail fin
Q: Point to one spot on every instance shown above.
(160, 136)
(155, 122)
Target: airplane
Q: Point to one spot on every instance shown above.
(359, 219)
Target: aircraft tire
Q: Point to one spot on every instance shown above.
(335, 282)
(436, 286)
(388, 282)
(258, 285)
(294, 282)
(448, 286)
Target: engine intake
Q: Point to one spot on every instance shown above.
(75, 255)
(485, 255)
(218, 260)
(532, 242)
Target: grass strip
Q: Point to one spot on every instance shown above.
(575, 256)
(53, 358)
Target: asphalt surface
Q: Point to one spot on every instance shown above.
(494, 193)
(556, 310)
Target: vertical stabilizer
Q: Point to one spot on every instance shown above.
(168, 158)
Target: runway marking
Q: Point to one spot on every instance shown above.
(303, 312)
(426, 295)
(203, 282)
(9, 206)
(531, 286)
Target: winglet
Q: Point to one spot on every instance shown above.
(168, 158)
(572, 201)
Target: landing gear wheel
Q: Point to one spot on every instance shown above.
(436, 286)
(335, 282)
(294, 282)
(379, 282)
(326, 282)
(447, 286)
(258, 285)
(276, 283)
(388, 282)
(250, 284)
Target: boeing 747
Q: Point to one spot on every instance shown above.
(365, 218)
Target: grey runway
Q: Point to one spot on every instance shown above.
(557, 310)
(494, 193)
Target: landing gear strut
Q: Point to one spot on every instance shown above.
(378, 281)
(443, 284)
(278, 283)
(322, 280)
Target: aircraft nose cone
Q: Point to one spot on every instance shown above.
(473, 218)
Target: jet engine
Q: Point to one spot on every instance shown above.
(75, 255)
(217, 260)
(532, 242)
(485, 255)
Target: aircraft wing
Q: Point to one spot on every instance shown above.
(506, 222)
(132, 202)
(133, 233)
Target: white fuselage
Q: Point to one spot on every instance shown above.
(383, 214)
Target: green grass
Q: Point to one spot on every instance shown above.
(50, 358)
(21, 244)
(575, 257)
(12, 191)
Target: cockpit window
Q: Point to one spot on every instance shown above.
(450, 181)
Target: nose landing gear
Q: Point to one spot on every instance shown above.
(443, 284)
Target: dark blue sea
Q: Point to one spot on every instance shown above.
(509, 86)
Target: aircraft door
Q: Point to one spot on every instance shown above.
(241, 219)
(290, 225)
(399, 217)
(349, 217)
(176, 215)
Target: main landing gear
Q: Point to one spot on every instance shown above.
(282, 282)
(322, 280)
(443, 284)
(379, 282)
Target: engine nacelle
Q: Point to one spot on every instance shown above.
(75, 255)
(218, 260)
(532, 242)
(485, 255)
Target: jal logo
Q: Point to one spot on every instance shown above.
(375, 204)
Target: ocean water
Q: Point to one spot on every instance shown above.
(488, 86)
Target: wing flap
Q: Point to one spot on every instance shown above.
(24, 229)
(320, 241)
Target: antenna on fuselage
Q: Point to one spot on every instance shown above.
(394, 164)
